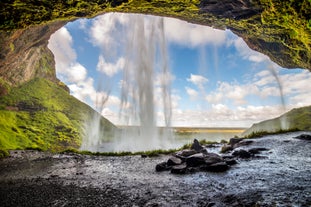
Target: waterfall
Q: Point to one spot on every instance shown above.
(145, 91)
(146, 69)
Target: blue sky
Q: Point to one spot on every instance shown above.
(215, 79)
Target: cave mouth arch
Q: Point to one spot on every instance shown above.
(212, 48)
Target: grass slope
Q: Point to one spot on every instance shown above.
(42, 115)
(296, 119)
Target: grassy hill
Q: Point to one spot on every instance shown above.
(296, 119)
(41, 114)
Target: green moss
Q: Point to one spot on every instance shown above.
(4, 153)
(286, 23)
(262, 133)
(45, 117)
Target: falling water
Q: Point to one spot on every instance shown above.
(145, 92)
(284, 125)
(146, 80)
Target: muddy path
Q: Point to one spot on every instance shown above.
(279, 176)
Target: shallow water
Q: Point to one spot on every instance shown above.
(279, 177)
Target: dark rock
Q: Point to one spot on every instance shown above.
(257, 150)
(179, 169)
(231, 161)
(174, 161)
(217, 167)
(212, 158)
(144, 156)
(304, 137)
(234, 141)
(186, 153)
(162, 167)
(228, 157)
(242, 143)
(239, 9)
(195, 160)
(196, 146)
(241, 154)
(226, 148)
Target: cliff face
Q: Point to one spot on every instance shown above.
(24, 54)
(281, 30)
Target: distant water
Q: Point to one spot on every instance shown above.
(177, 139)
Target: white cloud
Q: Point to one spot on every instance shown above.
(234, 92)
(246, 53)
(192, 93)
(60, 44)
(192, 35)
(110, 69)
(197, 80)
(104, 31)
(264, 77)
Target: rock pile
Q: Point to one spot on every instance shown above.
(197, 158)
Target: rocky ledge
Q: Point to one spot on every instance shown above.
(197, 158)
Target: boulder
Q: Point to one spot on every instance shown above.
(179, 169)
(230, 161)
(242, 154)
(242, 143)
(174, 161)
(195, 160)
(212, 158)
(186, 153)
(196, 146)
(304, 137)
(162, 167)
(217, 167)
(226, 148)
(257, 150)
(234, 141)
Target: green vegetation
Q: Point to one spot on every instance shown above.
(298, 119)
(262, 133)
(42, 115)
(281, 24)
(20, 14)
(282, 30)
(151, 153)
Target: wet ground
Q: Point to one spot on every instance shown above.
(279, 177)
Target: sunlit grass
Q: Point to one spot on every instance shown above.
(40, 114)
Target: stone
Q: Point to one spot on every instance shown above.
(257, 150)
(241, 154)
(217, 167)
(162, 167)
(179, 169)
(212, 158)
(304, 137)
(174, 161)
(234, 141)
(196, 146)
(231, 161)
(186, 153)
(226, 148)
(195, 160)
(242, 143)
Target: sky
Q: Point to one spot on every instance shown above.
(212, 77)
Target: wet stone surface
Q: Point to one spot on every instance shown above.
(277, 175)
